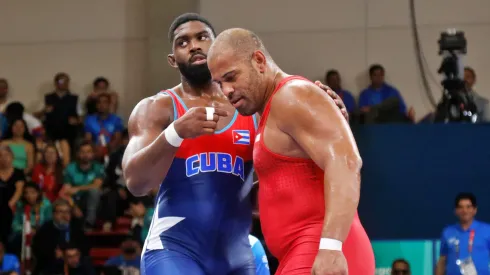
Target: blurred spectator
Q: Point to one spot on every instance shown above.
(141, 210)
(400, 267)
(261, 263)
(116, 197)
(82, 181)
(52, 236)
(100, 85)
(146, 223)
(103, 128)
(61, 111)
(72, 262)
(481, 102)
(11, 184)
(48, 173)
(130, 256)
(8, 262)
(467, 241)
(35, 208)
(20, 142)
(15, 110)
(62, 147)
(333, 80)
(379, 91)
(4, 91)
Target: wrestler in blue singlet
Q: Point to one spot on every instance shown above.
(201, 222)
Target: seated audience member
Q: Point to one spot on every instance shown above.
(116, 197)
(100, 85)
(61, 111)
(35, 208)
(52, 236)
(146, 223)
(11, 185)
(333, 80)
(9, 263)
(400, 267)
(20, 142)
(62, 147)
(130, 256)
(467, 239)
(4, 91)
(380, 91)
(72, 262)
(48, 173)
(15, 110)
(261, 263)
(103, 128)
(482, 104)
(83, 179)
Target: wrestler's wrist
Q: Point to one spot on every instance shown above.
(330, 244)
(172, 137)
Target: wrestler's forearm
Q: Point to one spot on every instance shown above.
(342, 188)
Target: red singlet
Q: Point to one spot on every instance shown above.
(292, 208)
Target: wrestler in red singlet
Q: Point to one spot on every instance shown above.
(305, 157)
(292, 208)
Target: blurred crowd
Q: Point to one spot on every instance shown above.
(61, 178)
(382, 102)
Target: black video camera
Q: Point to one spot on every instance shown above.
(456, 104)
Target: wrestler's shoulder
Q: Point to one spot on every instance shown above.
(296, 90)
(156, 107)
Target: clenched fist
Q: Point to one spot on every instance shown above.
(194, 122)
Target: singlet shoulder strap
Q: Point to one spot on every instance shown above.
(179, 106)
(279, 85)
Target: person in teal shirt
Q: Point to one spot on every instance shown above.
(82, 181)
(40, 212)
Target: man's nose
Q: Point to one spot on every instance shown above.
(195, 46)
(227, 90)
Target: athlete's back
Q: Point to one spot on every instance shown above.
(200, 216)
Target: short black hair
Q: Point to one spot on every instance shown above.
(14, 110)
(102, 95)
(403, 261)
(83, 144)
(375, 67)
(331, 73)
(465, 196)
(471, 70)
(69, 246)
(61, 75)
(184, 18)
(101, 79)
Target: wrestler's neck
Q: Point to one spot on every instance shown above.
(206, 89)
(275, 75)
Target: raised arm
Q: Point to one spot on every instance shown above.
(148, 155)
(313, 120)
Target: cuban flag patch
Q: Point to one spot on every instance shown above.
(241, 137)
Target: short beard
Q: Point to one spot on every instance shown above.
(196, 75)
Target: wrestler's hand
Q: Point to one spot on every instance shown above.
(335, 97)
(329, 262)
(194, 122)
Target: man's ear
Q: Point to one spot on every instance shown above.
(171, 60)
(260, 60)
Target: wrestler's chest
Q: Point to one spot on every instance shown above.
(279, 142)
